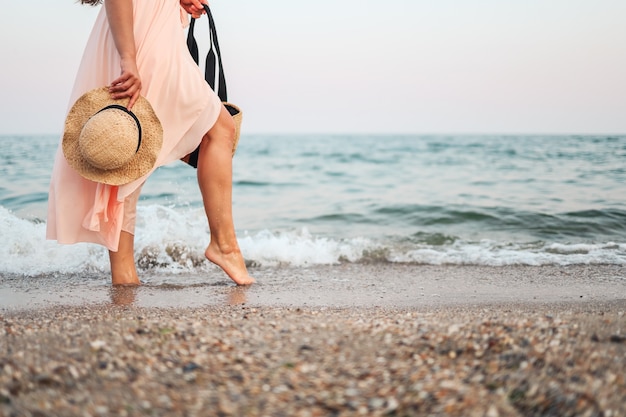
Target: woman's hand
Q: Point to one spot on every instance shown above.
(194, 7)
(128, 84)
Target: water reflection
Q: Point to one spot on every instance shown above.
(176, 297)
(123, 296)
(237, 295)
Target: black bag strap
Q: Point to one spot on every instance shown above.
(213, 56)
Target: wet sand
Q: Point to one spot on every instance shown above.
(349, 340)
(349, 285)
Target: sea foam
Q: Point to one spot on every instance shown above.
(172, 241)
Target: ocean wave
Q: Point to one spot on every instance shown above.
(172, 241)
(608, 224)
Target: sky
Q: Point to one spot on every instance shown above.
(359, 66)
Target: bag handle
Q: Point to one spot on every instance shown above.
(213, 61)
(213, 57)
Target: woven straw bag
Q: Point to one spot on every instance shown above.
(213, 63)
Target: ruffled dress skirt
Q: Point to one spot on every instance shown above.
(80, 210)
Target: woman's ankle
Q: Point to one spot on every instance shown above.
(125, 280)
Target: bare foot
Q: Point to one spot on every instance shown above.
(127, 281)
(231, 262)
(124, 274)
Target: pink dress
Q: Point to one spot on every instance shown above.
(80, 210)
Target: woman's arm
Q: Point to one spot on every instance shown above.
(120, 17)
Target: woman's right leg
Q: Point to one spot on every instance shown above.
(215, 171)
(123, 270)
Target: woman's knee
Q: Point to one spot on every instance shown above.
(223, 130)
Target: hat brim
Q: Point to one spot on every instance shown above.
(139, 165)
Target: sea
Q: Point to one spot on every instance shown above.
(304, 201)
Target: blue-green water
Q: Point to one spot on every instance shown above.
(321, 199)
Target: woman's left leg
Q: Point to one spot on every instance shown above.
(215, 170)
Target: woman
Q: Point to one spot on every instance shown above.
(136, 47)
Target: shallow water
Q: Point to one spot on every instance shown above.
(301, 201)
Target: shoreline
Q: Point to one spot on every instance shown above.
(346, 285)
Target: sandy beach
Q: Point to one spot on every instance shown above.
(460, 341)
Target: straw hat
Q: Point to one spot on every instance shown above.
(104, 142)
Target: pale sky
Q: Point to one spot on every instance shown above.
(359, 66)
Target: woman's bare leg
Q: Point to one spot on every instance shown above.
(215, 171)
(123, 271)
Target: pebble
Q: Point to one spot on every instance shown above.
(278, 361)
